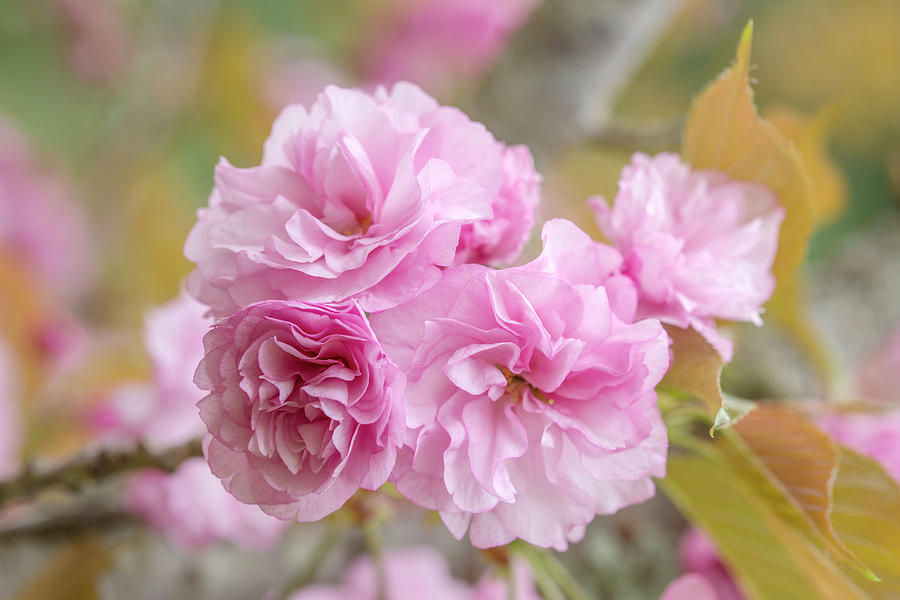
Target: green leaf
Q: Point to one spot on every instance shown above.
(865, 512)
(733, 409)
(696, 368)
(804, 460)
(767, 541)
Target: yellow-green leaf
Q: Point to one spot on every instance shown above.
(696, 368)
(762, 535)
(810, 135)
(725, 132)
(865, 513)
(804, 460)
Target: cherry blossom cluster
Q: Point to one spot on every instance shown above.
(365, 335)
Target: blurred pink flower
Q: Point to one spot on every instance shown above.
(690, 587)
(530, 404)
(699, 556)
(879, 375)
(10, 421)
(164, 412)
(363, 196)
(303, 408)
(499, 241)
(190, 505)
(99, 37)
(876, 435)
(193, 510)
(299, 80)
(441, 43)
(39, 223)
(413, 574)
(698, 245)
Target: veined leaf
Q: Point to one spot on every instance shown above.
(696, 368)
(725, 132)
(803, 459)
(763, 536)
(865, 512)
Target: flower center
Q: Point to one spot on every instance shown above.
(516, 386)
(361, 228)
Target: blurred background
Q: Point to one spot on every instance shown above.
(113, 114)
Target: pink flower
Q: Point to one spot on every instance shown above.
(10, 420)
(700, 557)
(690, 587)
(698, 245)
(530, 403)
(415, 573)
(190, 505)
(360, 197)
(499, 241)
(879, 376)
(39, 223)
(441, 43)
(303, 408)
(100, 37)
(164, 412)
(193, 510)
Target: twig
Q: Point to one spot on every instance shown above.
(68, 525)
(93, 467)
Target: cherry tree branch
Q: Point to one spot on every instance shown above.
(93, 467)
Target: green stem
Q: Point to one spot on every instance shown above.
(546, 584)
(563, 577)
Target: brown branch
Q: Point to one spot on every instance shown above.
(94, 467)
(68, 525)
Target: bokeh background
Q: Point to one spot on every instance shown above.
(121, 108)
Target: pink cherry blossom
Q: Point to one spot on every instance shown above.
(499, 241)
(442, 43)
(362, 196)
(193, 510)
(162, 412)
(39, 222)
(10, 420)
(190, 505)
(415, 573)
(699, 246)
(530, 403)
(690, 587)
(304, 408)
